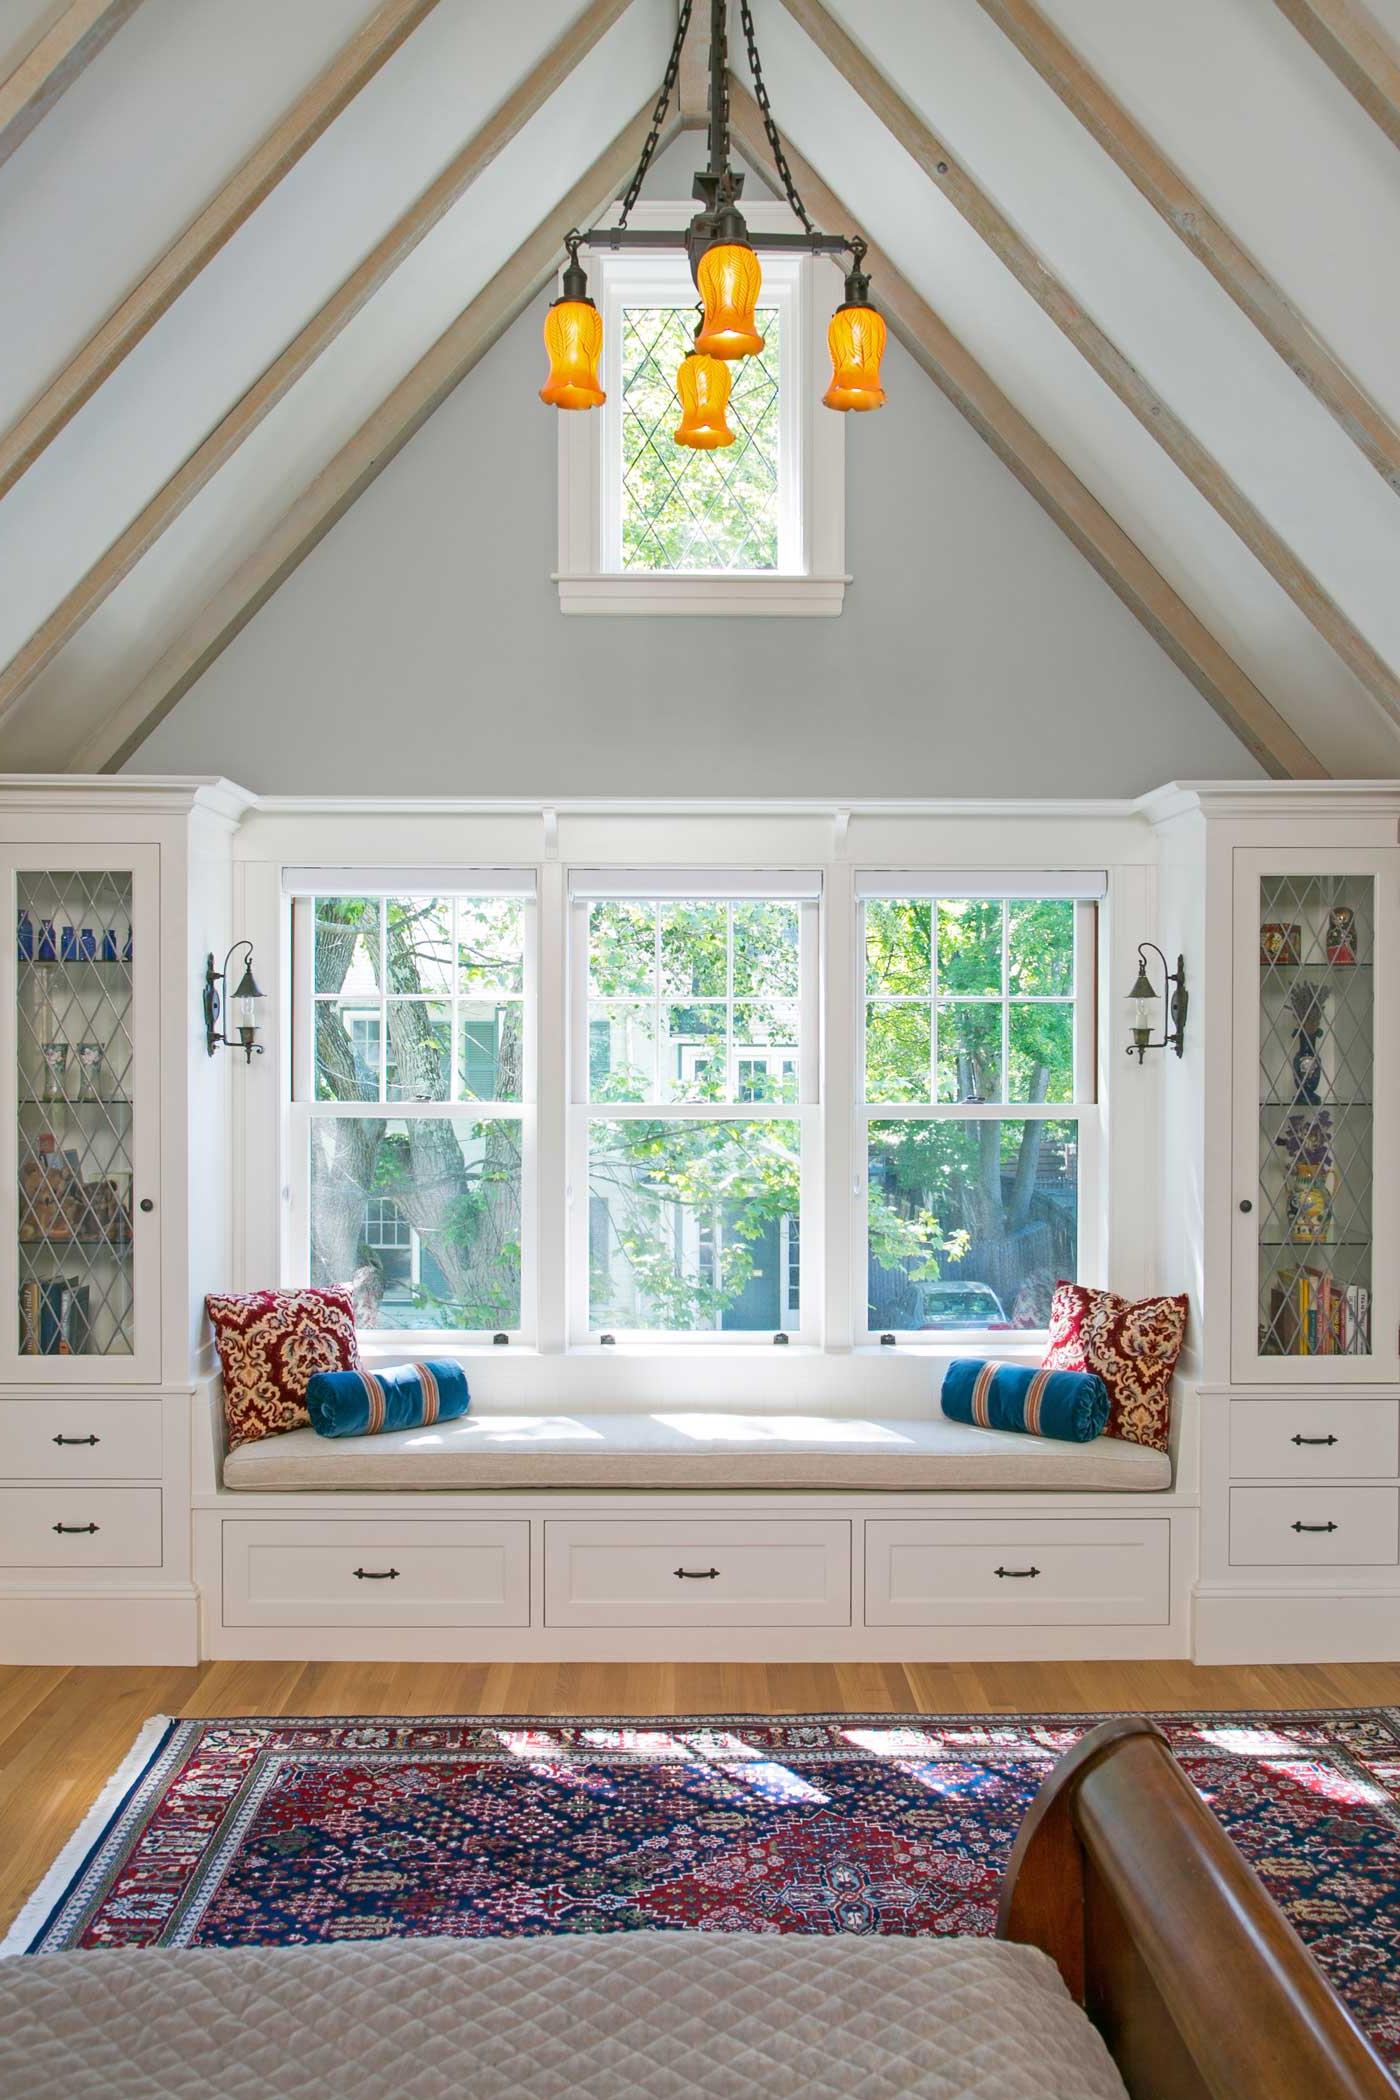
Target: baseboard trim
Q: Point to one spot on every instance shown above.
(1296, 1626)
(84, 1627)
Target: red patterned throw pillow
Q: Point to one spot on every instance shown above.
(271, 1343)
(1131, 1344)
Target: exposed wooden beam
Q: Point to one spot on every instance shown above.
(1133, 389)
(378, 440)
(284, 371)
(54, 63)
(1346, 39)
(1039, 468)
(1192, 220)
(317, 107)
(693, 81)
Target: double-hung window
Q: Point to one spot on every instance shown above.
(693, 1105)
(412, 1124)
(978, 1122)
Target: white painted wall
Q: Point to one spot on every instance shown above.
(421, 647)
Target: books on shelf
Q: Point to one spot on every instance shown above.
(1311, 1314)
(54, 1318)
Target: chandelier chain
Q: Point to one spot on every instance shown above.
(658, 115)
(775, 143)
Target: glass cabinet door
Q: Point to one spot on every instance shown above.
(1312, 1124)
(85, 1052)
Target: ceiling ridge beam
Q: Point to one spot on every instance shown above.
(1234, 269)
(117, 562)
(314, 110)
(51, 65)
(379, 439)
(1038, 467)
(1350, 45)
(1098, 349)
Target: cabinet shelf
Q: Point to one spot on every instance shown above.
(75, 1101)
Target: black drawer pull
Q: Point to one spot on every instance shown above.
(696, 1574)
(1314, 1527)
(1314, 1440)
(1018, 1574)
(77, 1440)
(376, 1574)
(72, 1530)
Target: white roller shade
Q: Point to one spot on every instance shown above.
(1085, 886)
(591, 885)
(408, 882)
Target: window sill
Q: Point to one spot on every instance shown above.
(780, 597)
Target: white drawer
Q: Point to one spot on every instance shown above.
(698, 1572)
(80, 1439)
(388, 1572)
(1314, 1439)
(983, 1571)
(1314, 1527)
(79, 1527)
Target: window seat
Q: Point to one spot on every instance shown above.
(705, 1451)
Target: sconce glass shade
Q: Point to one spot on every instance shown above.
(703, 384)
(729, 279)
(856, 337)
(573, 336)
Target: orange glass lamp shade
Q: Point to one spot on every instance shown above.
(703, 383)
(573, 336)
(856, 336)
(729, 279)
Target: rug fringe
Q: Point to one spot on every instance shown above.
(34, 1914)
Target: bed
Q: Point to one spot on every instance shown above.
(1136, 1954)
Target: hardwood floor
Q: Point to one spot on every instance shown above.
(63, 1732)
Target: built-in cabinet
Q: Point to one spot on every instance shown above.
(1284, 1135)
(113, 1151)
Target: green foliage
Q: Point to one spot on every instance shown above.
(683, 509)
(737, 1179)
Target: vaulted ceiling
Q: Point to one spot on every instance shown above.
(247, 250)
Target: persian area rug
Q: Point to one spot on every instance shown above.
(228, 1833)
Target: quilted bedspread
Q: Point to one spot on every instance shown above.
(627, 2016)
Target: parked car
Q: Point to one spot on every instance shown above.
(958, 1305)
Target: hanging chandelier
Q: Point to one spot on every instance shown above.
(724, 263)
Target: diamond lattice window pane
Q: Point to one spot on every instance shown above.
(682, 509)
(75, 1086)
(1316, 1114)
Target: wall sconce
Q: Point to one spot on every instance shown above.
(247, 996)
(1144, 997)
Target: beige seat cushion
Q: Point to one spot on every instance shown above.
(696, 1450)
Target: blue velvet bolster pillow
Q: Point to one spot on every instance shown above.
(361, 1403)
(1069, 1405)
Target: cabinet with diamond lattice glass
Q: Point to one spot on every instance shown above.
(1315, 1127)
(81, 1012)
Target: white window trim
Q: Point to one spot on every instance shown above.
(1084, 1110)
(812, 579)
(303, 1109)
(806, 1112)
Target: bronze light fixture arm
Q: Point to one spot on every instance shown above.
(1173, 996)
(216, 1037)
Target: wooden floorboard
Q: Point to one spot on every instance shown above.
(63, 1732)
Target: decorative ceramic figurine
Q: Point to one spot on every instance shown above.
(1279, 943)
(1341, 935)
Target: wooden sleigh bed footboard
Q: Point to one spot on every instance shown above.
(1167, 1937)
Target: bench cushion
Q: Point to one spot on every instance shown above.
(696, 1450)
